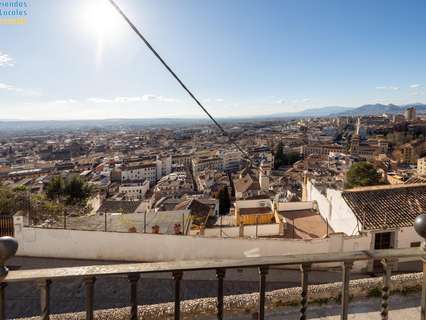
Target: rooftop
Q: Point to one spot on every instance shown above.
(387, 206)
(305, 224)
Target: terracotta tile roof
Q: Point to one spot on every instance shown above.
(387, 206)
(416, 179)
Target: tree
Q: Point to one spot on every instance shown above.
(55, 188)
(279, 155)
(224, 201)
(362, 174)
(76, 190)
(291, 158)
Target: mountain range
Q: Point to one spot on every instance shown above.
(364, 110)
(331, 111)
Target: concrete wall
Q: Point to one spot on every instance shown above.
(98, 245)
(290, 206)
(248, 231)
(334, 209)
(76, 244)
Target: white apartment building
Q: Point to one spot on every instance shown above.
(421, 166)
(203, 163)
(134, 191)
(140, 172)
(175, 185)
(164, 166)
(182, 160)
(231, 160)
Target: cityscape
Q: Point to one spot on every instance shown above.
(119, 204)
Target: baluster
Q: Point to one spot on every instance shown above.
(304, 269)
(44, 286)
(386, 288)
(133, 279)
(263, 271)
(346, 268)
(420, 227)
(8, 248)
(90, 296)
(177, 276)
(423, 303)
(3, 286)
(220, 275)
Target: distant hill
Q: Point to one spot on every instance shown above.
(365, 110)
(314, 112)
(379, 109)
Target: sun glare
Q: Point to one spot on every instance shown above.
(100, 17)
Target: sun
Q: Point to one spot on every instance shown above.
(100, 17)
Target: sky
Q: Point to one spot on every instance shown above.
(79, 60)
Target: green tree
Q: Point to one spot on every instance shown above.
(224, 201)
(77, 190)
(279, 155)
(291, 158)
(73, 190)
(55, 188)
(362, 174)
(7, 201)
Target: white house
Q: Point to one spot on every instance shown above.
(133, 191)
(384, 213)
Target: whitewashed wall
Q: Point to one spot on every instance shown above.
(249, 231)
(97, 245)
(334, 209)
(59, 243)
(289, 206)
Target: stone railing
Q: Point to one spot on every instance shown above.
(89, 274)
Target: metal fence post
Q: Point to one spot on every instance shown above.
(8, 248)
(346, 270)
(304, 270)
(263, 271)
(420, 227)
(144, 222)
(386, 288)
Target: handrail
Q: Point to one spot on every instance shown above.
(89, 274)
(193, 265)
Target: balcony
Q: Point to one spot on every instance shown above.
(45, 278)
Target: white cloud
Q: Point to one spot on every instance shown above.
(26, 92)
(388, 88)
(151, 97)
(210, 100)
(145, 97)
(4, 86)
(65, 101)
(100, 100)
(281, 101)
(127, 99)
(6, 60)
(304, 100)
(416, 85)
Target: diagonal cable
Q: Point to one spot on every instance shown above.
(136, 30)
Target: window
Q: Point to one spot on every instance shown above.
(415, 244)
